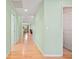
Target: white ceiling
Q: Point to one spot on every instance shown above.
(31, 5)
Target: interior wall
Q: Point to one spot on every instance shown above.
(8, 29)
(67, 27)
(48, 28)
(18, 27)
(37, 27)
(53, 42)
(10, 10)
(67, 2)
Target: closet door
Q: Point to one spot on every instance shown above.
(67, 27)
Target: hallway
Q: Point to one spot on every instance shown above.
(21, 51)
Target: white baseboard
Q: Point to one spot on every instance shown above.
(39, 48)
(48, 55)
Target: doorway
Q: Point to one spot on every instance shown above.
(67, 32)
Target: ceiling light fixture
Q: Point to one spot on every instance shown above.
(25, 10)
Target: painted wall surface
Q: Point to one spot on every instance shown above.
(48, 28)
(67, 2)
(53, 41)
(8, 29)
(9, 11)
(18, 28)
(37, 27)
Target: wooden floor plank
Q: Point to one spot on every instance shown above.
(24, 50)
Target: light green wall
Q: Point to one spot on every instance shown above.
(8, 30)
(38, 28)
(53, 41)
(49, 41)
(18, 27)
(10, 10)
(67, 2)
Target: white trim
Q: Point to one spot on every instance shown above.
(39, 47)
(67, 6)
(48, 55)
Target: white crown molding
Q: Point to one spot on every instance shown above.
(67, 6)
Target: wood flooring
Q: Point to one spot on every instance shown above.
(28, 50)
